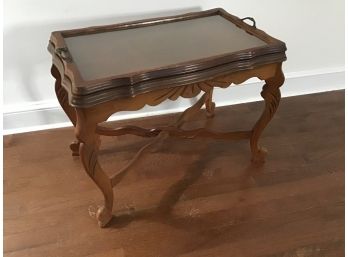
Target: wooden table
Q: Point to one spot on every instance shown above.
(123, 67)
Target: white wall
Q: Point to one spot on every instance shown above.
(313, 31)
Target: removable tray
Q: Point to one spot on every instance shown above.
(123, 60)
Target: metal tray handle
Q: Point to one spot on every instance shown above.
(250, 19)
(64, 54)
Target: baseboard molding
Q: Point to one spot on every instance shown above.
(42, 115)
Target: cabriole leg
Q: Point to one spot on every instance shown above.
(89, 147)
(62, 96)
(271, 94)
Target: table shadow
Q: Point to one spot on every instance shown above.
(163, 211)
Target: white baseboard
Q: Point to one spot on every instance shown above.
(41, 115)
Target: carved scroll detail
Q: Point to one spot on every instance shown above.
(105, 110)
(194, 89)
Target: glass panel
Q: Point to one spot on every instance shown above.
(125, 51)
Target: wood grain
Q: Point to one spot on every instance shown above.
(191, 198)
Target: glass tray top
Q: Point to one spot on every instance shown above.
(127, 51)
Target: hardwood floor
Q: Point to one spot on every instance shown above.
(189, 198)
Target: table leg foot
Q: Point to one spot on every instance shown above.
(104, 216)
(260, 155)
(74, 147)
(271, 94)
(89, 158)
